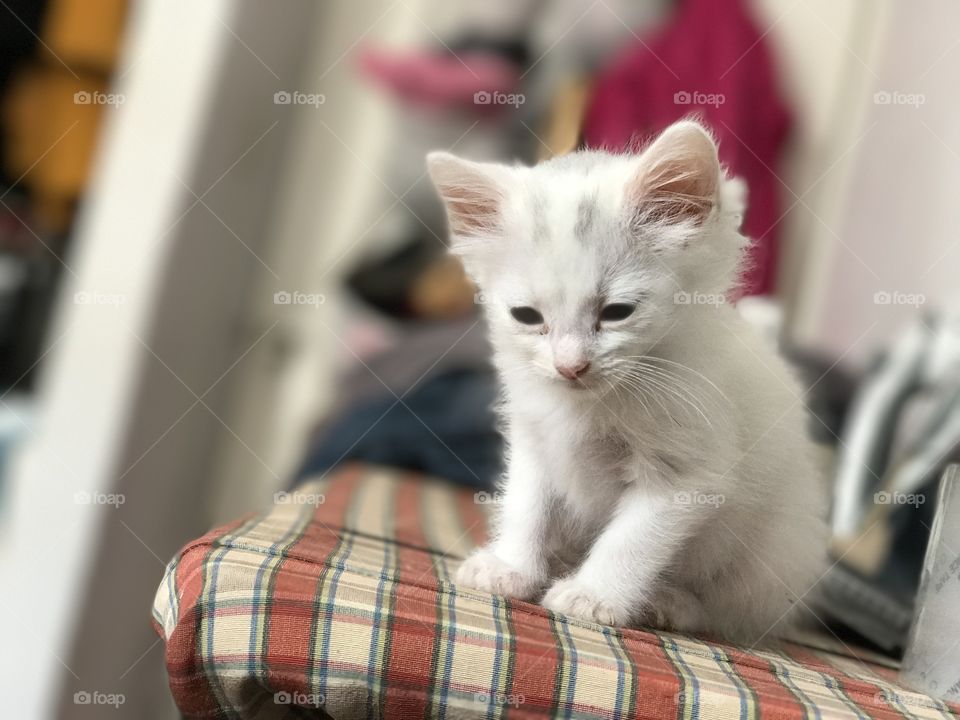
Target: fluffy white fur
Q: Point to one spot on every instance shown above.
(672, 483)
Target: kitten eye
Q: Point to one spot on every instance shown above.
(617, 311)
(526, 315)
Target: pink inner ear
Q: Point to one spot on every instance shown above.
(471, 210)
(679, 180)
(681, 193)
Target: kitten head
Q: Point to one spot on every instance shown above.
(584, 261)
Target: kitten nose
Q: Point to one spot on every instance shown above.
(572, 372)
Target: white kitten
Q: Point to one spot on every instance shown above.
(658, 472)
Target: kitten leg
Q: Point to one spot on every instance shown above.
(515, 562)
(617, 580)
(674, 608)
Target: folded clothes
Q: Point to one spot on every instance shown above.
(443, 427)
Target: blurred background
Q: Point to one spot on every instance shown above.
(222, 268)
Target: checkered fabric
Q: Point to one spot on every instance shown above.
(339, 603)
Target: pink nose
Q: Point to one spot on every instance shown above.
(572, 372)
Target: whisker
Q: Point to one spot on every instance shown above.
(679, 384)
(676, 393)
(654, 358)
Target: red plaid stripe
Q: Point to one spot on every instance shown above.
(343, 600)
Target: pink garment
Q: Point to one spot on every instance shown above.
(711, 60)
(437, 79)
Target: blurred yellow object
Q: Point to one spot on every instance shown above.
(54, 105)
(443, 290)
(85, 35)
(565, 119)
(51, 138)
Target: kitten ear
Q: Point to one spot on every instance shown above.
(472, 192)
(678, 178)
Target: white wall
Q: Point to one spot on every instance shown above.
(85, 397)
(332, 203)
(827, 51)
(899, 222)
(132, 396)
(879, 215)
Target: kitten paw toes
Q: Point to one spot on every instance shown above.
(485, 571)
(674, 609)
(570, 597)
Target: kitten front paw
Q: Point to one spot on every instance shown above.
(571, 597)
(674, 609)
(485, 571)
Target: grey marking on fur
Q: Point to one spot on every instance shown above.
(586, 217)
(541, 228)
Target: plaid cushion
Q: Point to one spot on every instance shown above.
(340, 601)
